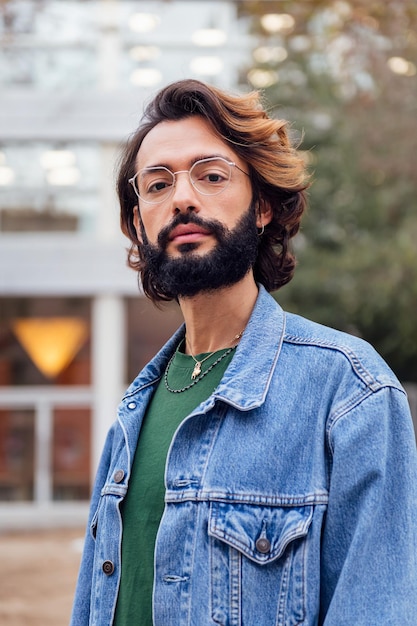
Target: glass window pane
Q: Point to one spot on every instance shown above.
(49, 45)
(71, 454)
(49, 69)
(49, 187)
(16, 454)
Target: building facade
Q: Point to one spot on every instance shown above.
(74, 329)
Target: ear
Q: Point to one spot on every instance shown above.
(263, 213)
(136, 223)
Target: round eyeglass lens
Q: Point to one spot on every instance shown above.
(210, 176)
(154, 184)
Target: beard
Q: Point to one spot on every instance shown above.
(230, 260)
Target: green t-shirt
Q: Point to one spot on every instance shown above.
(144, 503)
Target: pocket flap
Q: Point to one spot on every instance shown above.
(261, 533)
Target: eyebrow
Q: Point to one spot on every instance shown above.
(199, 157)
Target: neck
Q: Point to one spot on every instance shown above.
(214, 319)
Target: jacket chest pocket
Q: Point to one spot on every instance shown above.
(257, 564)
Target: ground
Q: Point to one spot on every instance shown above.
(37, 576)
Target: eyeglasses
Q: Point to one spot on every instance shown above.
(208, 176)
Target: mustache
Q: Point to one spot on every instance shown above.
(212, 226)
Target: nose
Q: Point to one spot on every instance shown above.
(184, 197)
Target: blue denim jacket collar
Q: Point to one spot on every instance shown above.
(261, 342)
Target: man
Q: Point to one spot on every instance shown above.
(263, 468)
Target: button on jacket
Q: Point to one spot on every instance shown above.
(291, 492)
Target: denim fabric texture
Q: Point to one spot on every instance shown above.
(291, 492)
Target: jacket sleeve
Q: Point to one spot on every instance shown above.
(81, 606)
(369, 543)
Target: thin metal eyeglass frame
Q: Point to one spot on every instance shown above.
(132, 180)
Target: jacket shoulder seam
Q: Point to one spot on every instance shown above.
(355, 362)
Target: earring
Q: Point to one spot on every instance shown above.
(261, 230)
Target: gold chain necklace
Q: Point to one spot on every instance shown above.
(198, 363)
(199, 376)
(197, 379)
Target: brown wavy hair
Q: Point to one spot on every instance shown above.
(277, 171)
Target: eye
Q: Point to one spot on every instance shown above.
(211, 173)
(153, 182)
(157, 186)
(213, 177)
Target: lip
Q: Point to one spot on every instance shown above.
(187, 233)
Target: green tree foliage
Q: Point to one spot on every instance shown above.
(349, 85)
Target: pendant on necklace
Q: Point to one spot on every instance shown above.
(196, 370)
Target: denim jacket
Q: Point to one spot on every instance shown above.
(291, 492)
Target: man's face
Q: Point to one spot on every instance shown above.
(194, 242)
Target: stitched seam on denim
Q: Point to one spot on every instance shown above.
(359, 398)
(119, 561)
(283, 592)
(241, 547)
(186, 596)
(114, 490)
(240, 407)
(354, 361)
(213, 582)
(127, 448)
(351, 403)
(192, 415)
(299, 532)
(283, 501)
(94, 522)
(217, 417)
(128, 396)
(235, 560)
(259, 402)
(340, 414)
(303, 579)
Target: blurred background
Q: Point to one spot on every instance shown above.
(74, 76)
(74, 327)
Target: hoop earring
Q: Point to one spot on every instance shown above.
(261, 231)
